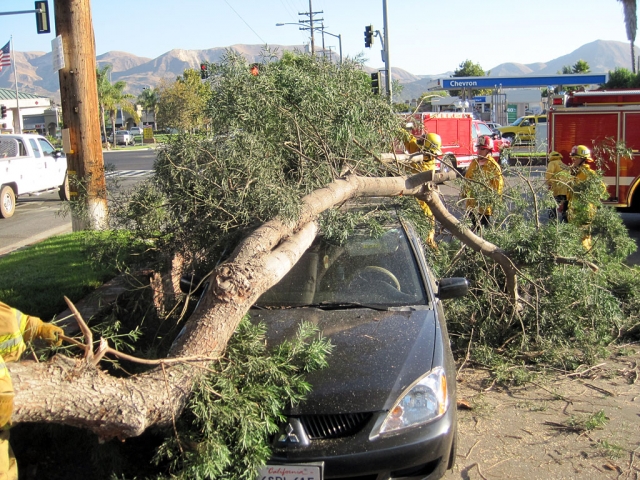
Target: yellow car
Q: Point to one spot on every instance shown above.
(523, 130)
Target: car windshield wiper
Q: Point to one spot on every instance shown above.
(344, 306)
(327, 306)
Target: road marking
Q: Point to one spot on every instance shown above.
(128, 173)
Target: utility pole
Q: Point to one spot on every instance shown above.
(311, 13)
(79, 100)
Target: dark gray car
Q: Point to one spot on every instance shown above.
(385, 407)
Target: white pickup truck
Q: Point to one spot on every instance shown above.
(29, 165)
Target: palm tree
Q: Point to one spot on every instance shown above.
(148, 99)
(102, 75)
(111, 96)
(631, 23)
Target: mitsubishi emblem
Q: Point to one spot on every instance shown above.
(292, 434)
(289, 435)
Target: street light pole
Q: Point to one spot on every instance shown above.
(339, 37)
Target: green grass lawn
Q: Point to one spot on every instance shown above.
(35, 279)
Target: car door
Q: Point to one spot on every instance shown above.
(37, 167)
(55, 165)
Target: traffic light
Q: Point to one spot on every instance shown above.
(368, 36)
(42, 17)
(375, 83)
(204, 71)
(4, 111)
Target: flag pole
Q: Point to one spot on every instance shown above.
(15, 79)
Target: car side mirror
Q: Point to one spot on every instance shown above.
(454, 287)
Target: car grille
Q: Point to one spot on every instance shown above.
(320, 427)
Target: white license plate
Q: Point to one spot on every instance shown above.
(290, 472)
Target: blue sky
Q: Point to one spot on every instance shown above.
(426, 37)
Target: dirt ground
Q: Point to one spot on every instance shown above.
(537, 431)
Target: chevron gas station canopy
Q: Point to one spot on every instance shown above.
(456, 83)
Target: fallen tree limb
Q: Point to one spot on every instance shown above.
(432, 198)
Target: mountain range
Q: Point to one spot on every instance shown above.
(36, 75)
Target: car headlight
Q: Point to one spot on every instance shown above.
(424, 401)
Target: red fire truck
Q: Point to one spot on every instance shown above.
(596, 119)
(459, 133)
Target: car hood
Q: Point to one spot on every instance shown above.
(376, 355)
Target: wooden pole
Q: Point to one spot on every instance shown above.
(79, 99)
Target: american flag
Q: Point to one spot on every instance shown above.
(5, 55)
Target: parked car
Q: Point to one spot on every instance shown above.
(123, 137)
(136, 130)
(494, 127)
(385, 407)
(523, 130)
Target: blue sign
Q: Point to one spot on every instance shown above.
(456, 83)
(480, 99)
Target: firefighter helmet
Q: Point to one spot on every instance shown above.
(485, 141)
(555, 156)
(433, 144)
(581, 151)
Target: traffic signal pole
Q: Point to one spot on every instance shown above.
(385, 50)
(79, 99)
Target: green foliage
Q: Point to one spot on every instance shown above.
(111, 97)
(581, 66)
(587, 423)
(237, 407)
(568, 313)
(279, 135)
(611, 450)
(621, 78)
(469, 69)
(337, 226)
(182, 104)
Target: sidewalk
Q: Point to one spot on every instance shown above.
(35, 239)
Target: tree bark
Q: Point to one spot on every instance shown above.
(79, 99)
(478, 244)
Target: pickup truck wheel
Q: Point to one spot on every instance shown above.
(7, 201)
(63, 191)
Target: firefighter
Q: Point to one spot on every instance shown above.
(557, 178)
(411, 143)
(16, 328)
(431, 147)
(582, 169)
(483, 172)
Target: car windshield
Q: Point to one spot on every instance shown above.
(365, 271)
(517, 122)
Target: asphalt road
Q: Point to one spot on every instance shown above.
(40, 217)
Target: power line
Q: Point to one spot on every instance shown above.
(287, 6)
(245, 22)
